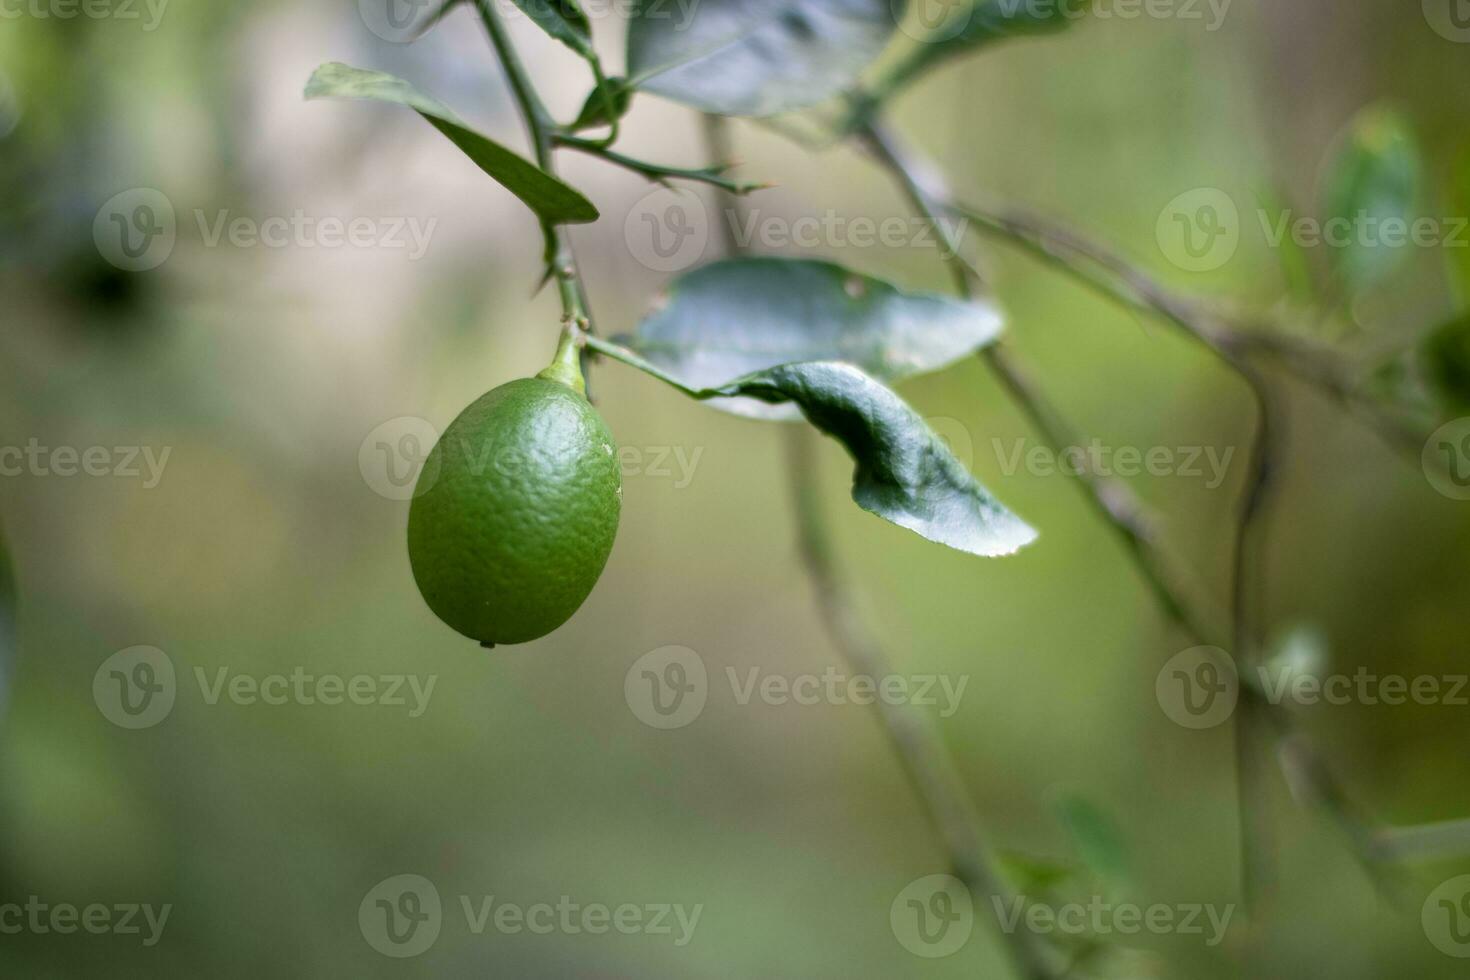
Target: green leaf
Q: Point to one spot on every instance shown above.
(1375, 177)
(905, 474)
(553, 201)
(745, 315)
(614, 92)
(1096, 837)
(754, 57)
(981, 26)
(563, 20)
(1446, 356)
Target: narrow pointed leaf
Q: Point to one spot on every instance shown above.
(755, 57)
(551, 200)
(744, 315)
(904, 474)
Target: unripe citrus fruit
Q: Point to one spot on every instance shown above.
(519, 507)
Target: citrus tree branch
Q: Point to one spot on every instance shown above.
(561, 261)
(922, 754)
(1123, 284)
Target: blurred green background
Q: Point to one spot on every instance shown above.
(264, 546)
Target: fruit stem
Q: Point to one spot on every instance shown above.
(566, 366)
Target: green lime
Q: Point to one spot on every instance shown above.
(518, 510)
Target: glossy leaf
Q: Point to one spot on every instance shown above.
(552, 200)
(745, 315)
(979, 27)
(755, 57)
(1375, 177)
(905, 473)
(562, 19)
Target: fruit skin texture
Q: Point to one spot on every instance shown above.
(515, 513)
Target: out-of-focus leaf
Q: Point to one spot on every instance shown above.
(755, 57)
(607, 104)
(1032, 876)
(552, 200)
(7, 620)
(905, 474)
(1096, 836)
(1446, 357)
(1457, 254)
(979, 27)
(1375, 177)
(562, 19)
(745, 315)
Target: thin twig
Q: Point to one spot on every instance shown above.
(925, 759)
(1061, 248)
(561, 260)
